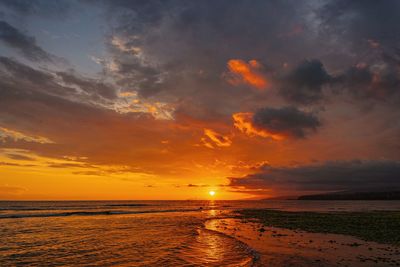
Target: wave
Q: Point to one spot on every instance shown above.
(254, 254)
(128, 205)
(208, 247)
(27, 208)
(89, 213)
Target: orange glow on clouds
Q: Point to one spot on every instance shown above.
(248, 73)
(217, 139)
(243, 122)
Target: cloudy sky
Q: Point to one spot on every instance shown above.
(170, 99)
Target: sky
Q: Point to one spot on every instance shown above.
(172, 99)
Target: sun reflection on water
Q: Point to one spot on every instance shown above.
(212, 205)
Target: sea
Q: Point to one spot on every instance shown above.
(137, 233)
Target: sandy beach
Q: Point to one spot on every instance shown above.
(284, 247)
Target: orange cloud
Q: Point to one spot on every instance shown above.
(218, 139)
(248, 73)
(243, 122)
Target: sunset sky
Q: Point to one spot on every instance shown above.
(173, 99)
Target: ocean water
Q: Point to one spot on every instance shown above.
(136, 233)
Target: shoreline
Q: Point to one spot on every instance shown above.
(282, 246)
(378, 226)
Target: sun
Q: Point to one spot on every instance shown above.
(212, 193)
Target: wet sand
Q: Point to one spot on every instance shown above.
(284, 247)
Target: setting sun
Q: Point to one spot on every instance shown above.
(212, 193)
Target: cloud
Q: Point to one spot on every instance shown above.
(8, 134)
(42, 8)
(33, 104)
(88, 85)
(2, 163)
(8, 190)
(329, 176)
(249, 73)
(307, 82)
(244, 122)
(60, 84)
(304, 83)
(25, 45)
(69, 165)
(36, 78)
(378, 82)
(277, 123)
(216, 139)
(354, 23)
(161, 80)
(179, 59)
(287, 121)
(198, 185)
(19, 157)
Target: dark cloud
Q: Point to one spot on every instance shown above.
(305, 82)
(24, 44)
(42, 8)
(12, 68)
(378, 82)
(309, 82)
(286, 121)
(87, 90)
(353, 23)
(176, 52)
(197, 185)
(368, 33)
(330, 176)
(88, 85)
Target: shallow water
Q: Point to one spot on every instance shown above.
(135, 233)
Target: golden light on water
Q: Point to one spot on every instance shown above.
(212, 193)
